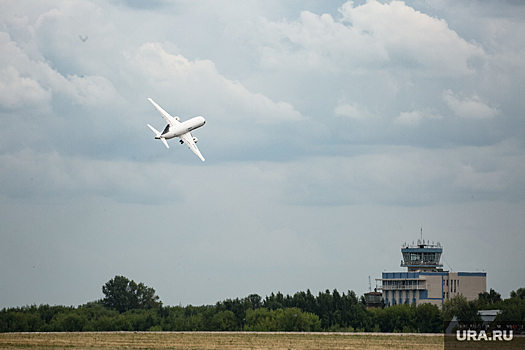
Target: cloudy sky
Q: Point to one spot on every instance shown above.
(335, 131)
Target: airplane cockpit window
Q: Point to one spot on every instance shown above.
(166, 129)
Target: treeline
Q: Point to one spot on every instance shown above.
(328, 311)
(511, 310)
(128, 306)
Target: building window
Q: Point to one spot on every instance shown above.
(415, 256)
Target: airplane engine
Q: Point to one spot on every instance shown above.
(195, 139)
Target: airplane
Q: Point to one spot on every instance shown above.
(175, 128)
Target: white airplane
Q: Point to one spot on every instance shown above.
(177, 129)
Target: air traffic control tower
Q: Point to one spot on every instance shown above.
(422, 257)
(425, 281)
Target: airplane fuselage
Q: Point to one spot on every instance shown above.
(172, 131)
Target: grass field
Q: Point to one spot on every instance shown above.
(218, 340)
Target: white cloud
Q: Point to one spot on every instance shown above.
(24, 81)
(409, 118)
(414, 118)
(198, 85)
(470, 178)
(407, 176)
(51, 177)
(91, 91)
(318, 42)
(402, 175)
(413, 40)
(17, 91)
(57, 33)
(372, 36)
(469, 107)
(352, 110)
(19, 84)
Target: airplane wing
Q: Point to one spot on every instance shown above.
(171, 121)
(188, 139)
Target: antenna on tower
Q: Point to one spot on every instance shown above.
(369, 284)
(421, 233)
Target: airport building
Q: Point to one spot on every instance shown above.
(373, 299)
(425, 281)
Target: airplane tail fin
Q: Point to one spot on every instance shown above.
(157, 136)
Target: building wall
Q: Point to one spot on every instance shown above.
(434, 283)
(469, 284)
(438, 303)
(472, 284)
(440, 287)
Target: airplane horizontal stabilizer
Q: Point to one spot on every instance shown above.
(154, 130)
(157, 135)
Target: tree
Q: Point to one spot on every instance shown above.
(429, 318)
(487, 300)
(223, 321)
(143, 297)
(519, 293)
(469, 313)
(294, 320)
(290, 319)
(123, 295)
(255, 300)
(453, 306)
(513, 309)
(116, 294)
(274, 302)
